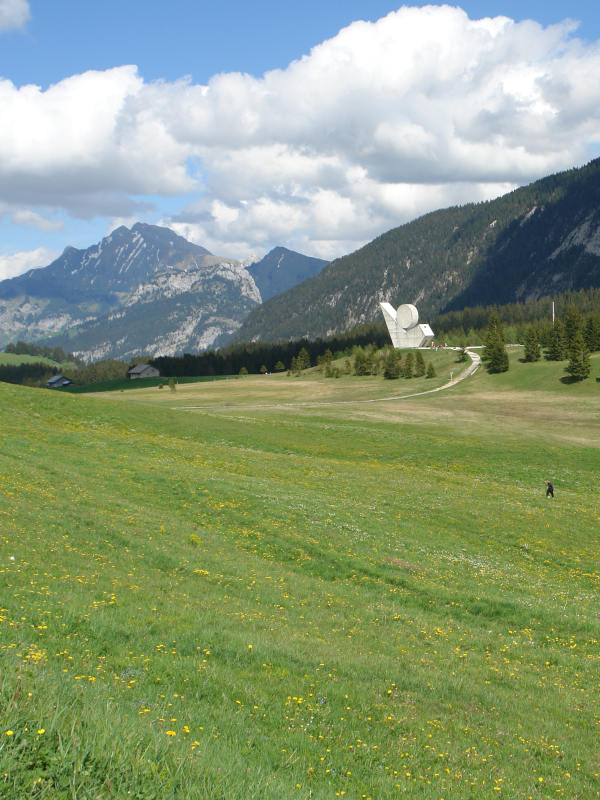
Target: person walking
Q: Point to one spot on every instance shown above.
(549, 489)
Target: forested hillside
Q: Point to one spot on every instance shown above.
(535, 241)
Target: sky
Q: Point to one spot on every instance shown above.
(316, 126)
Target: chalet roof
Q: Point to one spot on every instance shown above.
(138, 369)
(58, 380)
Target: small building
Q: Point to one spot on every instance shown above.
(142, 371)
(57, 381)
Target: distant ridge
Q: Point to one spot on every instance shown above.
(119, 262)
(141, 290)
(281, 269)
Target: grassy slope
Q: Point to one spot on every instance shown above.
(16, 358)
(126, 384)
(373, 599)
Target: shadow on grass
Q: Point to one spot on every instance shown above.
(570, 379)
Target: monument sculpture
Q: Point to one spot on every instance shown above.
(403, 325)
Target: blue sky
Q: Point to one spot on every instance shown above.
(373, 126)
(181, 37)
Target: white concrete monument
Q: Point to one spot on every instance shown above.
(404, 328)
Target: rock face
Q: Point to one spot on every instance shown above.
(142, 290)
(139, 290)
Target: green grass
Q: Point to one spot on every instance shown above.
(253, 588)
(126, 384)
(16, 359)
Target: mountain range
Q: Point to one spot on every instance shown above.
(146, 290)
(142, 290)
(536, 241)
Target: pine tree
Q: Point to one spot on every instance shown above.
(532, 345)
(492, 335)
(579, 358)
(592, 332)
(495, 351)
(419, 364)
(408, 365)
(391, 365)
(573, 324)
(361, 362)
(558, 349)
(303, 359)
(431, 373)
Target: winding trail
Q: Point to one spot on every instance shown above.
(466, 373)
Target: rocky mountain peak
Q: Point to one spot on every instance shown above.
(140, 289)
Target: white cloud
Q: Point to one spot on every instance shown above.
(422, 109)
(13, 14)
(34, 220)
(17, 263)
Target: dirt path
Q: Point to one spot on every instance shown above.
(466, 373)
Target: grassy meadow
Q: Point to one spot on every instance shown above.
(13, 359)
(278, 587)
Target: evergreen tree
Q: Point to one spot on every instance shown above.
(391, 365)
(532, 345)
(361, 362)
(279, 367)
(498, 359)
(492, 334)
(409, 361)
(557, 350)
(579, 358)
(431, 373)
(303, 359)
(592, 332)
(495, 351)
(573, 324)
(419, 364)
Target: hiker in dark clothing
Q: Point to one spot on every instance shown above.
(549, 489)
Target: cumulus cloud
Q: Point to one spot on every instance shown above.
(17, 263)
(13, 14)
(387, 120)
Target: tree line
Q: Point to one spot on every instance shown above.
(471, 323)
(570, 339)
(366, 360)
(273, 357)
(526, 323)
